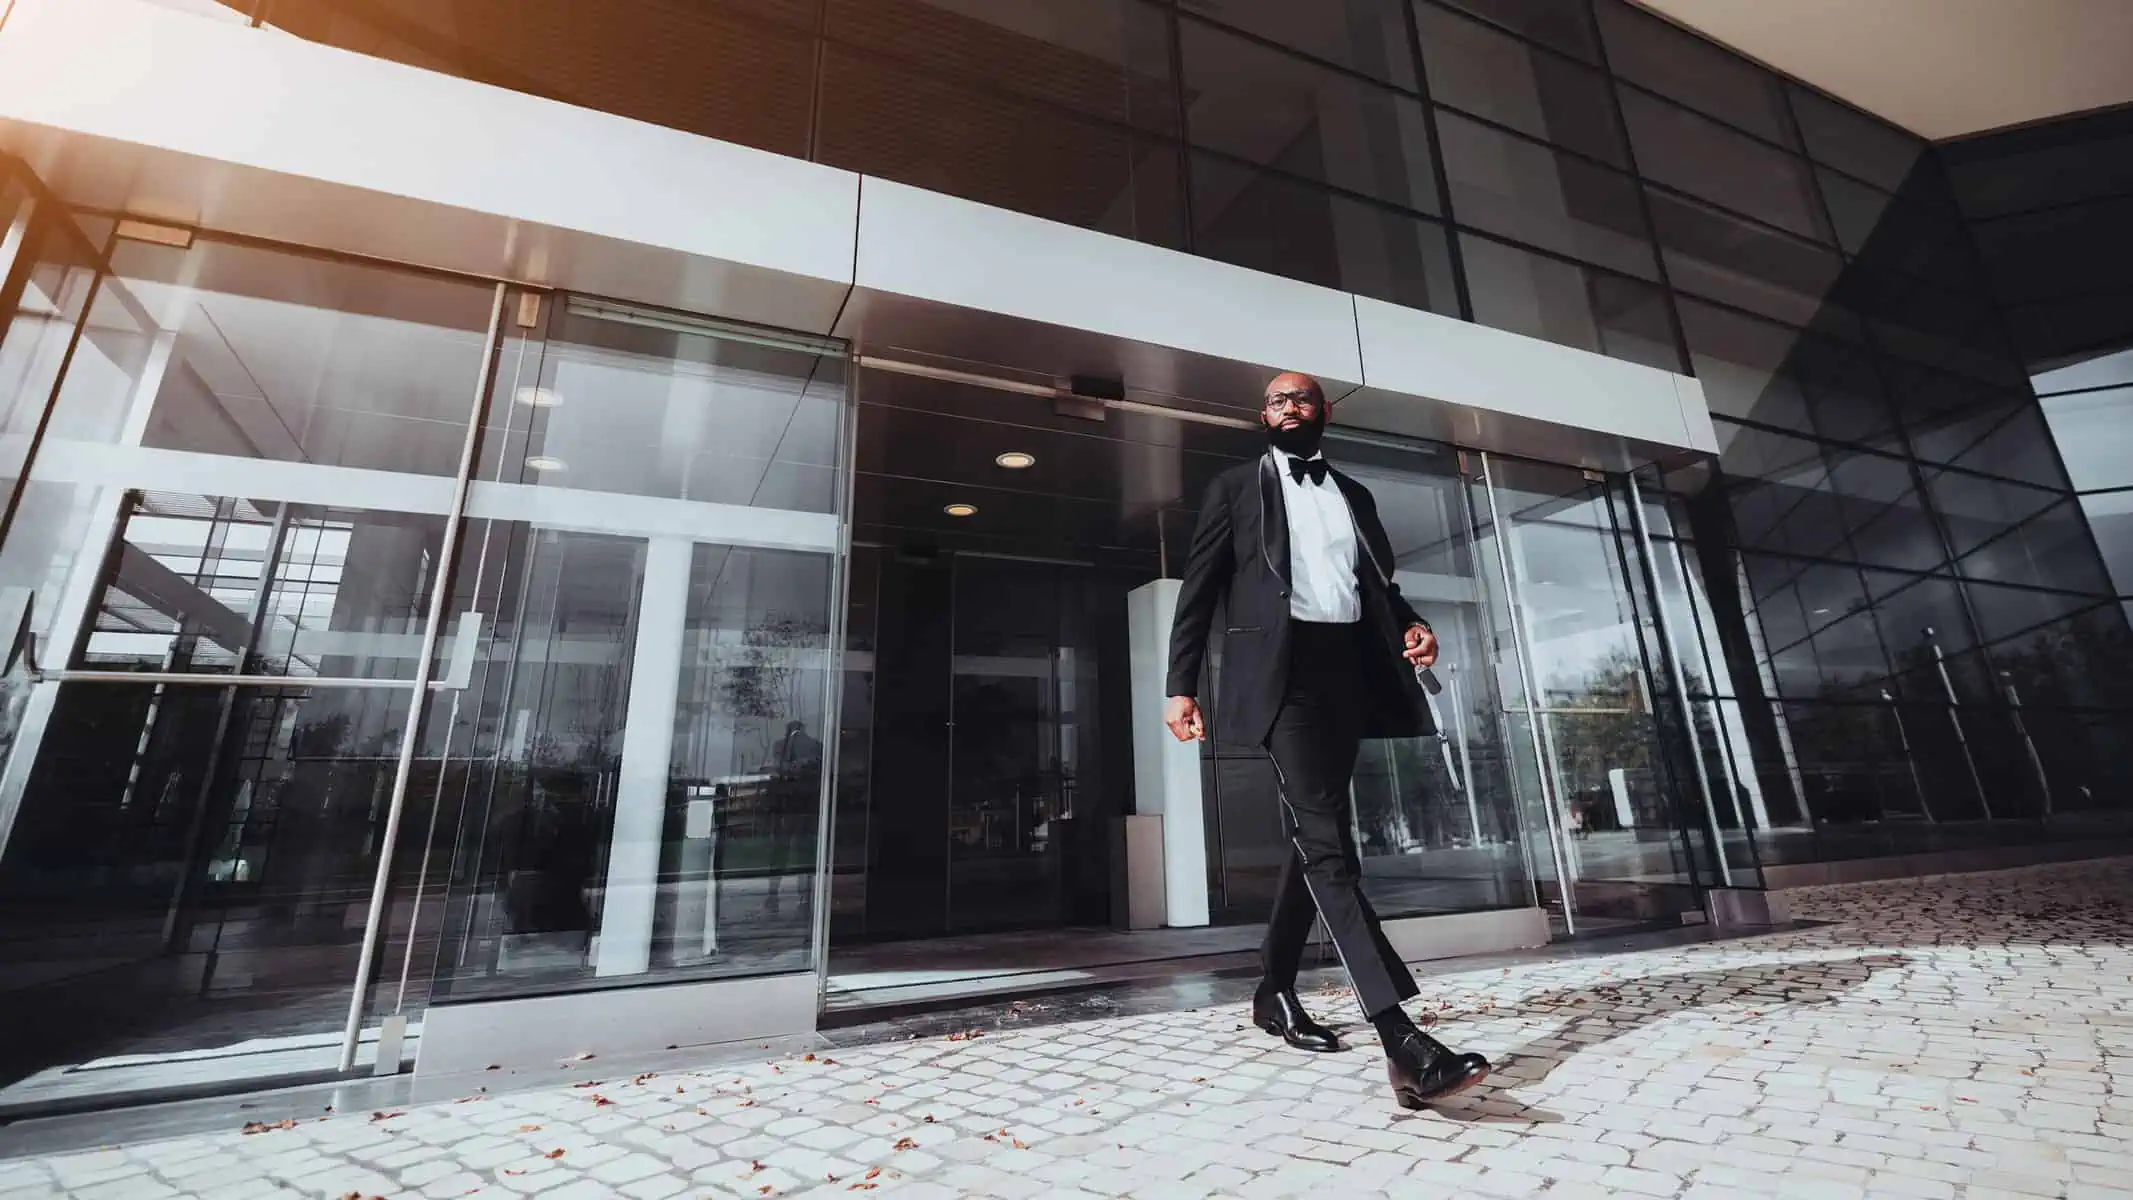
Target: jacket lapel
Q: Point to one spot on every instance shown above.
(1273, 520)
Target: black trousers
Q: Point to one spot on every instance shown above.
(1313, 744)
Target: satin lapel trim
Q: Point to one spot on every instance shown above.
(1273, 520)
(1349, 488)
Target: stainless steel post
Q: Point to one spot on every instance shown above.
(1955, 718)
(1903, 740)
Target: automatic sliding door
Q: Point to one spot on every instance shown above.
(629, 789)
(1574, 670)
(232, 528)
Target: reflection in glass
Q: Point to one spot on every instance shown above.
(1266, 108)
(2094, 433)
(188, 876)
(1369, 36)
(1526, 192)
(1566, 27)
(1685, 68)
(1703, 158)
(1493, 75)
(637, 402)
(1302, 231)
(1563, 302)
(1851, 141)
(886, 117)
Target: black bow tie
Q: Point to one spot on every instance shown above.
(1315, 468)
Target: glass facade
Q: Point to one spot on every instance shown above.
(401, 639)
(410, 639)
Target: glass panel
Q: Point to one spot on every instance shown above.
(188, 875)
(737, 70)
(2020, 448)
(2097, 163)
(1683, 67)
(1884, 513)
(1563, 302)
(1293, 115)
(2085, 660)
(1494, 75)
(1776, 375)
(57, 269)
(1891, 235)
(1976, 510)
(1108, 59)
(1528, 193)
(1285, 227)
(1780, 493)
(262, 376)
(637, 402)
(2094, 431)
(2049, 549)
(1438, 817)
(1583, 626)
(2089, 371)
(1369, 36)
(882, 117)
(1688, 153)
(1551, 22)
(1749, 266)
(575, 864)
(1028, 745)
(219, 584)
(1851, 141)
(2110, 517)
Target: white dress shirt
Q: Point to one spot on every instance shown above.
(1322, 550)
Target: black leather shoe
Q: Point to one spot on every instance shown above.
(1423, 1069)
(1282, 1014)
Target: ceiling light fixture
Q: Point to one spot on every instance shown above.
(1017, 460)
(537, 397)
(542, 462)
(961, 510)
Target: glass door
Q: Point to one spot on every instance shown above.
(1576, 653)
(232, 532)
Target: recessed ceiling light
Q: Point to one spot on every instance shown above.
(541, 462)
(961, 510)
(537, 397)
(1017, 460)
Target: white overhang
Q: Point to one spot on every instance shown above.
(205, 123)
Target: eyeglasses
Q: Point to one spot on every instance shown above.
(1299, 400)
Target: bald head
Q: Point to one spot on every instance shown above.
(1292, 382)
(1294, 413)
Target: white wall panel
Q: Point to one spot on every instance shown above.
(1432, 376)
(218, 124)
(1165, 315)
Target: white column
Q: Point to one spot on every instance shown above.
(1166, 772)
(647, 746)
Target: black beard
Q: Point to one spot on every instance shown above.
(1301, 441)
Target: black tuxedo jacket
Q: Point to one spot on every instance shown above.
(1240, 562)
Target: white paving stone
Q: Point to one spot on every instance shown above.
(1941, 1039)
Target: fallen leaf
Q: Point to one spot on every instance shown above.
(1018, 1143)
(252, 1127)
(600, 1101)
(493, 1067)
(514, 1170)
(906, 1143)
(529, 1129)
(765, 1189)
(929, 1118)
(583, 1056)
(874, 1173)
(386, 1116)
(647, 1075)
(555, 1153)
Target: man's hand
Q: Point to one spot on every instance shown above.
(1182, 714)
(1421, 646)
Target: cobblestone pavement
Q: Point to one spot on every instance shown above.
(1968, 1037)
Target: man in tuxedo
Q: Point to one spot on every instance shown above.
(1320, 650)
